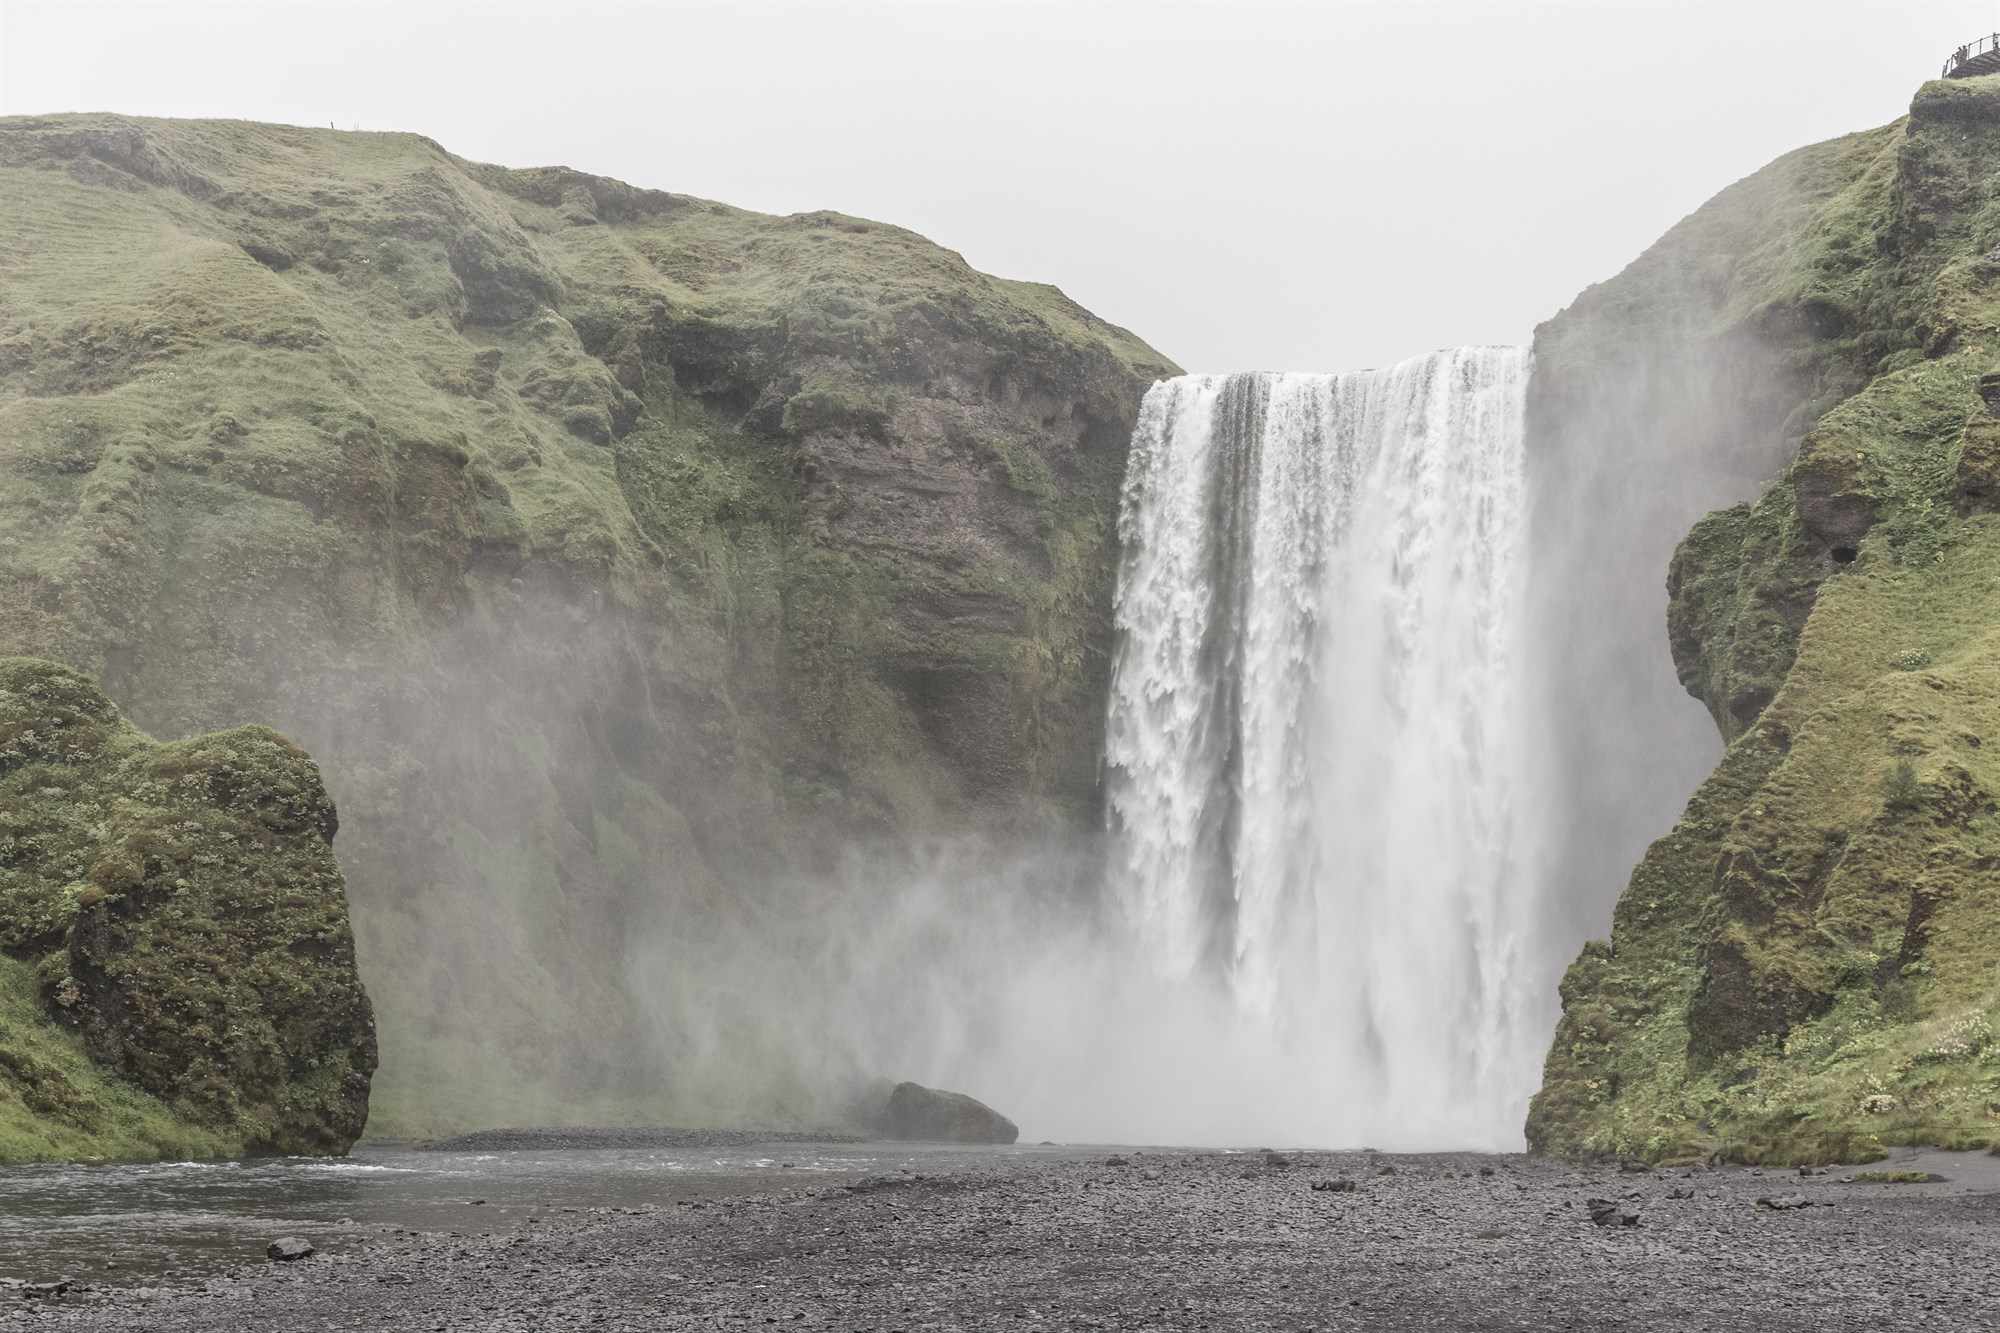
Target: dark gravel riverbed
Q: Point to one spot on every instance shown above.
(589, 1140)
(1173, 1240)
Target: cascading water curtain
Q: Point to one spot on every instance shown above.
(1316, 732)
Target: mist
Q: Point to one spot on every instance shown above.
(1005, 973)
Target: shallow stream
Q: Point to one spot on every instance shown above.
(135, 1225)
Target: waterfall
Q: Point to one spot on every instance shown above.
(1316, 740)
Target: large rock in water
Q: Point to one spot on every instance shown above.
(181, 921)
(933, 1115)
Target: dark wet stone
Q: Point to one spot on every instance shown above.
(1611, 1213)
(289, 1249)
(932, 1114)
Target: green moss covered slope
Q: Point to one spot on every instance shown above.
(1807, 967)
(176, 970)
(618, 554)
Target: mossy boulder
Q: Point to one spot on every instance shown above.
(184, 918)
(1807, 967)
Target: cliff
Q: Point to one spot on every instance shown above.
(1807, 967)
(621, 556)
(176, 971)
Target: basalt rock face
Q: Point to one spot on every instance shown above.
(186, 927)
(620, 555)
(1804, 968)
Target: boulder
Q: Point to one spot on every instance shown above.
(289, 1249)
(1784, 1202)
(919, 1113)
(1611, 1213)
(186, 922)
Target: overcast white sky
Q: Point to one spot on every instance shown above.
(1314, 187)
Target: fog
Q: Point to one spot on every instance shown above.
(1285, 187)
(996, 969)
(988, 966)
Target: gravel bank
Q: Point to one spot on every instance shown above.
(1177, 1240)
(548, 1140)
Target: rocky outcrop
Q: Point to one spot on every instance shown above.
(186, 924)
(1803, 968)
(931, 1115)
(621, 556)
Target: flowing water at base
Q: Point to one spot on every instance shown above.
(171, 1221)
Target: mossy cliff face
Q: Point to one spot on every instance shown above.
(618, 554)
(1678, 388)
(178, 912)
(1808, 966)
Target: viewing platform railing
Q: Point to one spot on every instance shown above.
(1965, 55)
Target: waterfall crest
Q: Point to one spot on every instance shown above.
(1316, 737)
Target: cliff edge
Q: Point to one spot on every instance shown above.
(621, 556)
(1807, 968)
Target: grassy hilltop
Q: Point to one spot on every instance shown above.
(618, 554)
(1808, 966)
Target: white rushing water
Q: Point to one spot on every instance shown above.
(1316, 738)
